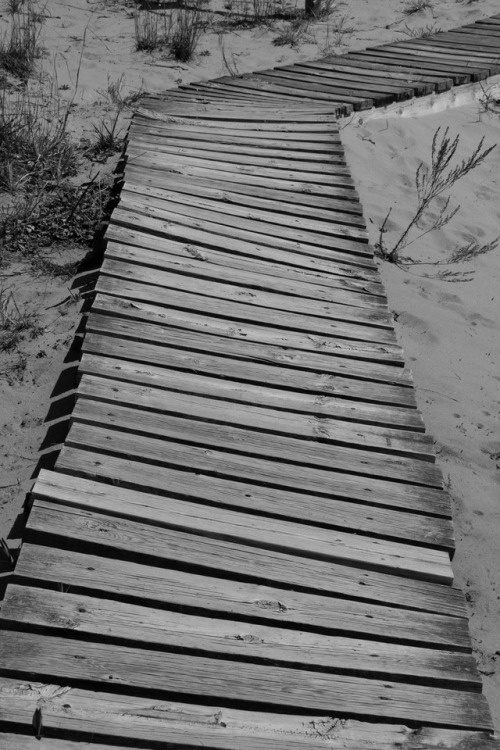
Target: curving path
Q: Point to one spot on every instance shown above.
(245, 543)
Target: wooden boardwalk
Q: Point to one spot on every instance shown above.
(245, 542)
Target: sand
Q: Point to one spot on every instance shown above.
(449, 330)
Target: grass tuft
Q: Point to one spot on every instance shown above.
(19, 46)
(416, 6)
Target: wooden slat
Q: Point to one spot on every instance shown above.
(356, 550)
(459, 73)
(351, 63)
(208, 230)
(370, 325)
(278, 534)
(225, 205)
(51, 523)
(141, 669)
(259, 470)
(426, 530)
(335, 263)
(316, 510)
(55, 611)
(192, 264)
(191, 725)
(321, 176)
(350, 350)
(403, 63)
(298, 184)
(211, 377)
(371, 403)
(334, 337)
(336, 376)
(310, 149)
(338, 88)
(221, 257)
(287, 131)
(371, 79)
(295, 438)
(321, 210)
(244, 601)
(330, 163)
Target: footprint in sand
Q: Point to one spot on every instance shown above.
(418, 325)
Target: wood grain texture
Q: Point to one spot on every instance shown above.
(124, 360)
(278, 534)
(241, 600)
(251, 414)
(179, 632)
(193, 725)
(256, 470)
(324, 512)
(36, 656)
(164, 546)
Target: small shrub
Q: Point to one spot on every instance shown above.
(432, 182)
(34, 144)
(15, 323)
(19, 47)
(293, 33)
(67, 214)
(416, 6)
(420, 32)
(152, 30)
(186, 32)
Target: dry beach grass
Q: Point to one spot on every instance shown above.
(70, 74)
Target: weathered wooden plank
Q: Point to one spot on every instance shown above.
(407, 458)
(310, 149)
(224, 205)
(54, 611)
(321, 210)
(467, 52)
(442, 56)
(334, 374)
(253, 470)
(286, 131)
(369, 79)
(403, 63)
(321, 175)
(348, 340)
(338, 88)
(369, 325)
(327, 512)
(352, 64)
(373, 404)
(246, 601)
(279, 181)
(193, 264)
(453, 70)
(233, 525)
(349, 79)
(208, 255)
(296, 90)
(328, 163)
(212, 378)
(51, 523)
(180, 316)
(180, 224)
(246, 683)
(488, 42)
(190, 725)
(334, 263)
(227, 112)
(339, 106)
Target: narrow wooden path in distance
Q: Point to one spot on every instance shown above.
(245, 543)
